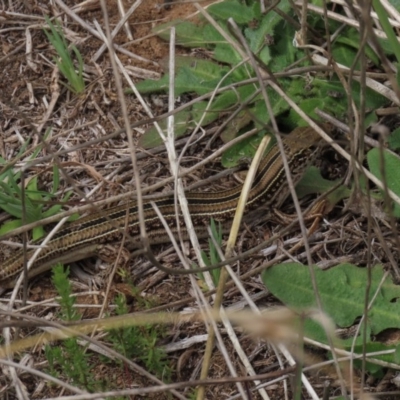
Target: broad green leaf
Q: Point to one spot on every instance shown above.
(151, 138)
(265, 55)
(187, 33)
(345, 55)
(333, 95)
(225, 53)
(316, 331)
(373, 347)
(57, 208)
(394, 139)
(387, 28)
(240, 13)
(312, 182)
(391, 164)
(199, 113)
(266, 26)
(9, 226)
(283, 52)
(351, 38)
(212, 36)
(244, 150)
(278, 103)
(151, 86)
(342, 291)
(235, 125)
(206, 70)
(189, 80)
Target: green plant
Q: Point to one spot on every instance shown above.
(385, 166)
(213, 256)
(31, 201)
(226, 71)
(140, 342)
(69, 358)
(65, 64)
(342, 292)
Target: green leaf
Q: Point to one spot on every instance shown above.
(342, 291)
(198, 110)
(9, 226)
(151, 86)
(312, 182)
(345, 55)
(333, 97)
(265, 55)
(394, 139)
(212, 35)
(225, 53)
(351, 38)
(188, 80)
(391, 168)
(206, 70)
(240, 13)
(373, 347)
(388, 28)
(244, 150)
(261, 116)
(235, 125)
(267, 26)
(151, 138)
(187, 34)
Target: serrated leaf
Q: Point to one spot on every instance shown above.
(391, 164)
(342, 291)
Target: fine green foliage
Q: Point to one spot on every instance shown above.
(140, 342)
(269, 37)
(69, 358)
(342, 291)
(386, 166)
(32, 201)
(63, 287)
(213, 257)
(65, 63)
